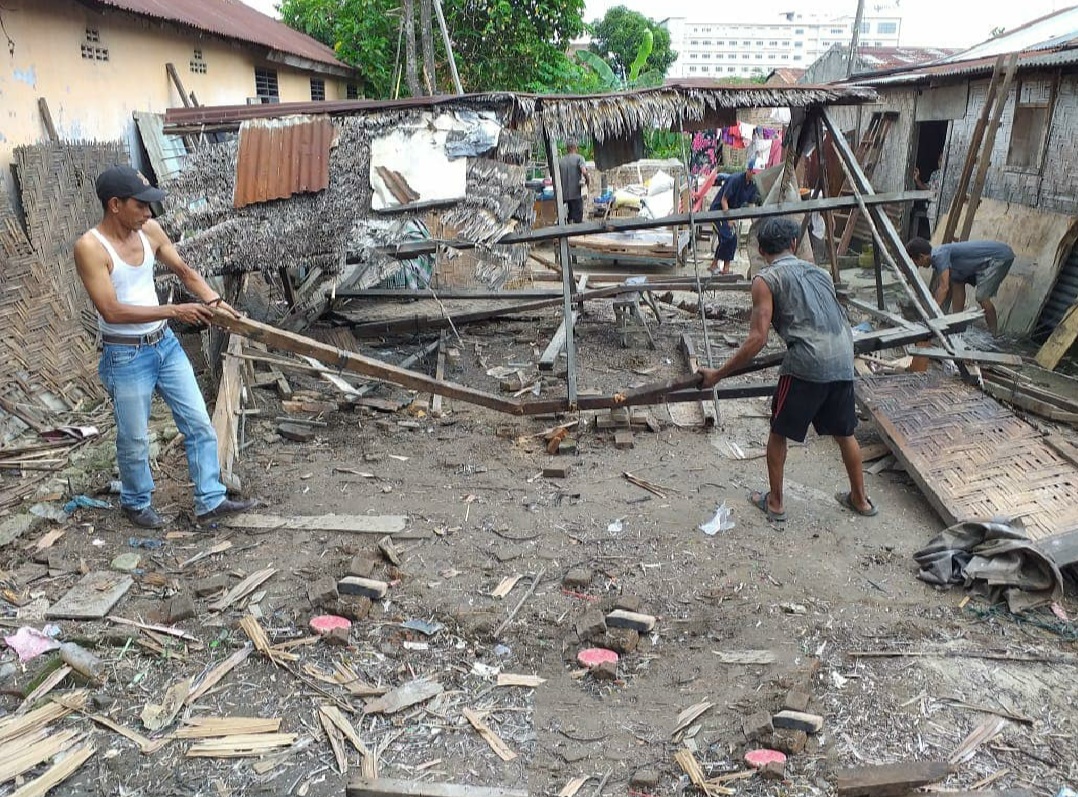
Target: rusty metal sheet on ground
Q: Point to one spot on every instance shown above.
(974, 458)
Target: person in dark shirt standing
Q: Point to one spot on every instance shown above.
(573, 173)
(983, 264)
(816, 380)
(738, 191)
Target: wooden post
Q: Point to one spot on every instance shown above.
(877, 264)
(426, 36)
(448, 46)
(986, 150)
(46, 118)
(408, 10)
(828, 216)
(172, 73)
(567, 279)
(971, 155)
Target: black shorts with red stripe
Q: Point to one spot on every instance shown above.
(828, 406)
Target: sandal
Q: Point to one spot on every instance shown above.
(844, 499)
(759, 500)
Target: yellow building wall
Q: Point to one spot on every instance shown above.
(95, 99)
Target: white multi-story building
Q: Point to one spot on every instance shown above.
(746, 49)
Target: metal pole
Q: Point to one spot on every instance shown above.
(448, 45)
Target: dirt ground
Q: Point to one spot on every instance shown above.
(814, 591)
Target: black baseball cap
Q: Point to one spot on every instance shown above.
(123, 182)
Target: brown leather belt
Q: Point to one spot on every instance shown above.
(134, 340)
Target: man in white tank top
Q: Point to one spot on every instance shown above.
(139, 353)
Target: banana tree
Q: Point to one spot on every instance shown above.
(637, 77)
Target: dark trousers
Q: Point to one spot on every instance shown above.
(575, 210)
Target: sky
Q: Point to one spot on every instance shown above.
(925, 23)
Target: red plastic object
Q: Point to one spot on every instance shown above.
(758, 759)
(593, 657)
(324, 623)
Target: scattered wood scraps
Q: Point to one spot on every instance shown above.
(500, 748)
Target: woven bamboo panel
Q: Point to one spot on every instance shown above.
(972, 457)
(56, 184)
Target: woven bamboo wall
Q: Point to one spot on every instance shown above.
(47, 357)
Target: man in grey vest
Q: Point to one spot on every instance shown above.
(573, 174)
(139, 353)
(816, 379)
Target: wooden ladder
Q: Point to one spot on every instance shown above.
(980, 151)
(869, 153)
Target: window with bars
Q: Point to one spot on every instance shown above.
(91, 46)
(1032, 117)
(198, 63)
(351, 91)
(318, 89)
(266, 88)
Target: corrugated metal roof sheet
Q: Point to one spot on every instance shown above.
(979, 66)
(1047, 32)
(876, 58)
(234, 20)
(281, 157)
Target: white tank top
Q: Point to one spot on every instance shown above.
(133, 284)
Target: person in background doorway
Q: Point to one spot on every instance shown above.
(738, 191)
(139, 353)
(574, 175)
(983, 264)
(816, 380)
(932, 185)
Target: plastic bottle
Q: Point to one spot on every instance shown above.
(82, 661)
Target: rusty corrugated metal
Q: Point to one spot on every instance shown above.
(281, 157)
(234, 20)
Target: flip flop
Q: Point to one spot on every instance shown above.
(844, 499)
(759, 500)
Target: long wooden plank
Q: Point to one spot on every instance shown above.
(1060, 341)
(555, 347)
(227, 406)
(566, 261)
(554, 233)
(389, 787)
(970, 356)
(357, 363)
(887, 780)
(56, 774)
(354, 524)
(92, 597)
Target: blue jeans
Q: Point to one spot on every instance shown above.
(130, 374)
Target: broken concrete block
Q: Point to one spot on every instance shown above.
(798, 721)
(368, 587)
(796, 701)
(644, 779)
(211, 586)
(607, 671)
(389, 550)
(773, 770)
(627, 603)
(176, 609)
(568, 446)
(577, 578)
(126, 562)
(758, 727)
(789, 741)
(353, 607)
(322, 593)
(362, 566)
(337, 636)
(592, 626)
(620, 640)
(295, 432)
(556, 472)
(641, 623)
(623, 439)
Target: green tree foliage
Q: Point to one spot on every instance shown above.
(618, 37)
(363, 33)
(500, 45)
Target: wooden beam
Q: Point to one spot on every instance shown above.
(357, 363)
(175, 76)
(566, 268)
(878, 312)
(386, 787)
(406, 251)
(448, 46)
(974, 201)
(439, 374)
(707, 408)
(225, 410)
(555, 347)
(1060, 341)
(887, 780)
(969, 356)
(46, 119)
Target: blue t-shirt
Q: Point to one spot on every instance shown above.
(738, 192)
(966, 259)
